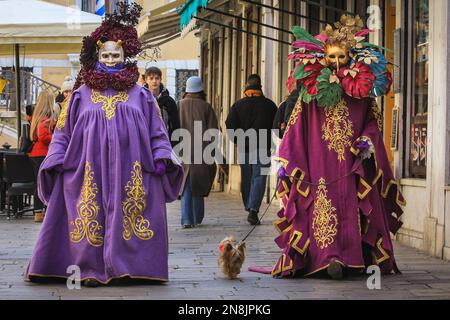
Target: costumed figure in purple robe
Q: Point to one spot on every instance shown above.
(340, 201)
(110, 170)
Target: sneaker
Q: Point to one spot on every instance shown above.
(335, 270)
(253, 218)
(38, 216)
(188, 226)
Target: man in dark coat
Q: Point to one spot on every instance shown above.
(169, 112)
(255, 112)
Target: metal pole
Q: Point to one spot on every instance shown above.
(18, 98)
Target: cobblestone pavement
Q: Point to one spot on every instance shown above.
(194, 273)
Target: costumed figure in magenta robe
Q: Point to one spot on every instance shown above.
(340, 201)
(110, 169)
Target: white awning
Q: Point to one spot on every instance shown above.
(39, 22)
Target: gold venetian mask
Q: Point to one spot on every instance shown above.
(336, 55)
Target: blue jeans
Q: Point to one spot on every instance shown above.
(192, 208)
(253, 185)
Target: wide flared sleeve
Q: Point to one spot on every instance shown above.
(162, 149)
(376, 171)
(52, 167)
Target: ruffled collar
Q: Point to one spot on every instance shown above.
(119, 78)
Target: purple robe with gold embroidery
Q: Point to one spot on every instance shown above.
(106, 209)
(336, 206)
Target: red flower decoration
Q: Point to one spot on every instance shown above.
(291, 81)
(357, 81)
(310, 82)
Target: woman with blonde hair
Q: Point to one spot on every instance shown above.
(41, 131)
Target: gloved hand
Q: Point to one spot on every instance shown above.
(363, 145)
(366, 148)
(282, 174)
(160, 168)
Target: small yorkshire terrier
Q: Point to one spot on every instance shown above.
(232, 257)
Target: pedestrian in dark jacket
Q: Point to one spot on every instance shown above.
(198, 177)
(169, 112)
(284, 113)
(256, 112)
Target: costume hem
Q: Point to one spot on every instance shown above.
(42, 276)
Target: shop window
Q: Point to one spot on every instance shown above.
(180, 81)
(87, 5)
(216, 93)
(418, 112)
(284, 49)
(334, 15)
(360, 8)
(250, 44)
(239, 65)
(314, 26)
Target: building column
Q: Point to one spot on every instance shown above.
(74, 59)
(437, 120)
(267, 51)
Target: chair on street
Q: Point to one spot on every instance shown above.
(18, 181)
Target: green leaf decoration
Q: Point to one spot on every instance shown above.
(329, 94)
(305, 96)
(301, 34)
(300, 73)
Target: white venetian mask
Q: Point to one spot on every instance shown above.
(110, 53)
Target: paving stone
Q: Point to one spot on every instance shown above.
(194, 273)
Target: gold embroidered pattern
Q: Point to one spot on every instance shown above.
(325, 220)
(338, 129)
(87, 225)
(298, 109)
(134, 206)
(63, 115)
(109, 103)
(378, 115)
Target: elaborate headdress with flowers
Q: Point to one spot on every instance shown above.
(120, 28)
(338, 61)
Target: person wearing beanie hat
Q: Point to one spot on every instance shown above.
(198, 178)
(253, 112)
(194, 85)
(110, 169)
(65, 92)
(67, 86)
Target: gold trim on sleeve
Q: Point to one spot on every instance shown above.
(298, 109)
(63, 115)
